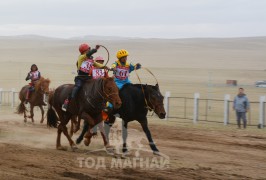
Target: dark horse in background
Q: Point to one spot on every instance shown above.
(137, 99)
(88, 105)
(36, 98)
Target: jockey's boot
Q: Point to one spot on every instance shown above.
(65, 105)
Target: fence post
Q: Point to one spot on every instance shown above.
(196, 107)
(13, 97)
(262, 112)
(1, 96)
(166, 103)
(226, 109)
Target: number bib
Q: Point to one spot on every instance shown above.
(86, 66)
(122, 72)
(98, 73)
(34, 75)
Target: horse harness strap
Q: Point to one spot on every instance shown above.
(107, 95)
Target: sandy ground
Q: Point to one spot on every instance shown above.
(203, 151)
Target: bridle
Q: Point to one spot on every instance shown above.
(105, 93)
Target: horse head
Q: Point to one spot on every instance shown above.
(42, 85)
(111, 92)
(155, 100)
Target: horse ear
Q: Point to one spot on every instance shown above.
(157, 85)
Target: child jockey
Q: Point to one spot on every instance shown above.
(34, 75)
(95, 73)
(122, 68)
(98, 72)
(84, 65)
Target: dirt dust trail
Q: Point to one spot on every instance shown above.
(203, 151)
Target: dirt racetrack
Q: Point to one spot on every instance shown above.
(202, 151)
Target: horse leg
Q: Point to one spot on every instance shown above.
(144, 125)
(91, 123)
(42, 114)
(77, 127)
(58, 140)
(71, 142)
(31, 113)
(25, 116)
(124, 136)
(84, 130)
(105, 140)
(107, 127)
(71, 128)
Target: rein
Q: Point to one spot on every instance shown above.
(106, 94)
(146, 102)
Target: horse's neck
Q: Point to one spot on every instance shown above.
(93, 89)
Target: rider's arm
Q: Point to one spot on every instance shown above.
(114, 65)
(28, 77)
(39, 75)
(132, 67)
(91, 52)
(98, 65)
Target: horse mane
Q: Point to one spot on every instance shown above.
(40, 81)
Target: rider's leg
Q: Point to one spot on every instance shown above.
(78, 85)
(29, 90)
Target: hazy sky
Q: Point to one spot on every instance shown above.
(134, 18)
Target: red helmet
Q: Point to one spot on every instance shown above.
(83, 48)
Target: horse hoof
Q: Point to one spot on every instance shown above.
(61, 148)
(157, 153)
(87, 142)
(74, 147)
(110, 149)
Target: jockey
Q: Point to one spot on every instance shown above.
(98, 72)
(84, 65)
(34, 75)
(122, 68)
(95, 73)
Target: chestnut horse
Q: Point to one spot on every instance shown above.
(36, 98)
(88, 105)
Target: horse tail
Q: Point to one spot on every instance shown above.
(21, 108)
(52, 117)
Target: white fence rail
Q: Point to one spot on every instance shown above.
(10, 98)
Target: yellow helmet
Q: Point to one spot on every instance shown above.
(121, 53)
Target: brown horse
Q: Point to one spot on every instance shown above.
(87, 105)
(36, 98)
